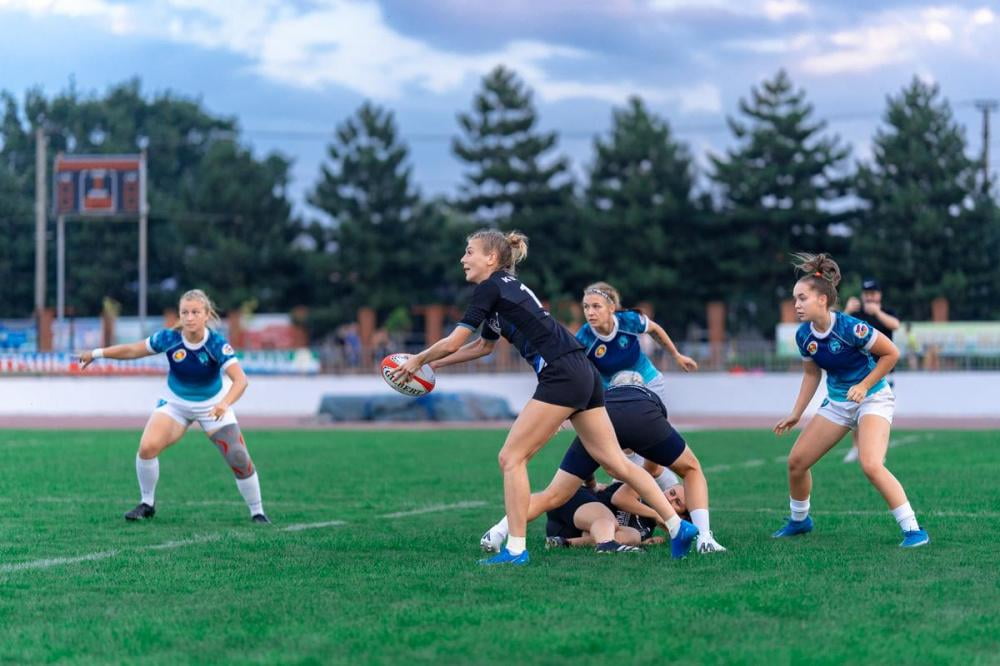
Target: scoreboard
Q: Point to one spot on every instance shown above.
(98, 185)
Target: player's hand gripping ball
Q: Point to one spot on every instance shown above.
(420, 383)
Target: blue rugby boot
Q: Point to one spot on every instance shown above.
(504, 557)
(681, 544)
(915, 538)
(795, 527)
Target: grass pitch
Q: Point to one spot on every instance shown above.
(371, 558)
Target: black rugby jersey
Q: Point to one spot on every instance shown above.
(645, 526)
(504, 295)
(496, 326)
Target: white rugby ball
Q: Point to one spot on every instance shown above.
(419, 384)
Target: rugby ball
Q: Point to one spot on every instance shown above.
(419, 384)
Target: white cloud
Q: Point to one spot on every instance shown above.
(774, 10)
(348, 43)
(900, 36)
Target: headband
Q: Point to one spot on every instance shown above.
(600, 292)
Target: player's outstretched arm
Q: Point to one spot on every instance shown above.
(887, 354)
(440, 349)
(235, 392)
(811, 376)
(125, 352)
(686, 363)
(470, 352)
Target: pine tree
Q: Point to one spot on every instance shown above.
(926, 229)
(513, 182)
(777, 187)
(640, 197)
(386, 245)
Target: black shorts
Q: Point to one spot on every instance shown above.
(560, 520)
(640, 422)
(571, 381)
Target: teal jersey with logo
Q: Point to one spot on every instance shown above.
(620, 350)
(843, 350)
(195, 368)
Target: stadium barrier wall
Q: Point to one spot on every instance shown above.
(942, 395)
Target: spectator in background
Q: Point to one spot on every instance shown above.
(884, 320)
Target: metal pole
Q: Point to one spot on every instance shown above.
(61, 269)
(40, 219)
(987, 106)
(143, 242)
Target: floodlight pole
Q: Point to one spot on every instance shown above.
(41, 141)
(61, 268)
(143, 241)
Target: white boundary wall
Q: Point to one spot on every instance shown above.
(944, 394)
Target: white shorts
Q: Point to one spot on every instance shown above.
(658, 385)
(848, 414)
(187, 412)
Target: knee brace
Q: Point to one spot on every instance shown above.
(233, 448)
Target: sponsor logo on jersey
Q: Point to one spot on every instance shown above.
(835, 346)
(860, 330)
(203, 358)
(600, 351)
(228, 350)
(623, 342)
(180, 355)
(812, 347)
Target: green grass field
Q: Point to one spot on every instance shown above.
(201, 584)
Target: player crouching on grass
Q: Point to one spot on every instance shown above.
(640, 422)
(859, 397)
(197, 356)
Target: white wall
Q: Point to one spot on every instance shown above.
(943, 394)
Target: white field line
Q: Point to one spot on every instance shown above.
(167, 545)
(435, 508)
(298, 527)
(56, 561)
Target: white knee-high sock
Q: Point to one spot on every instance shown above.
(905, 517)
(800, 508)
(250, 489)
(700, 519)
(148, 473)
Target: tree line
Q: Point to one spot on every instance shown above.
(919, 214)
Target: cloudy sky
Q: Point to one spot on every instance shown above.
(290, 70)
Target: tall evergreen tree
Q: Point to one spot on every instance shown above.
(640, 198)
(386, 244)
(777, 186)
(926, 229)
(514, 183)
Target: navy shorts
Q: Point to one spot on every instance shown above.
(571, 381)
(640, 422)
(560, 520)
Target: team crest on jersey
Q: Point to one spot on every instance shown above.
(180, 355)
(600, 351)
(812, 347)
(860, 330)
(228, 350)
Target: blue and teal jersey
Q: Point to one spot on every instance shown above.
(843, 350)
(195, 368)
(620, 349)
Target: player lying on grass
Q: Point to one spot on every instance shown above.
(587, 519)
(856, 358)
(569, 387)
(640, 422)
(198, 355)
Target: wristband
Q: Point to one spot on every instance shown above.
(97, 353)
